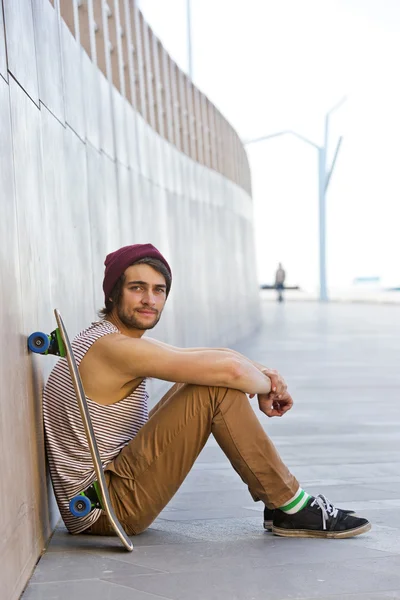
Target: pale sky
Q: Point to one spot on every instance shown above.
(272, 65)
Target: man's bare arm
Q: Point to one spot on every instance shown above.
(146, 358)
(278, 383)
(229, 350)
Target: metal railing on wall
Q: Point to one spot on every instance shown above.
(120, 42)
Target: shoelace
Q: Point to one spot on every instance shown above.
(327, 509)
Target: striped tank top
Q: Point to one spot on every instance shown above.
(68, 453)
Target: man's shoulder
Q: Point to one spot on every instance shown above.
(109, 341)
(92, 337)
(97, 327)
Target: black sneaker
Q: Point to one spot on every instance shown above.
(319, 519)
(269, 514)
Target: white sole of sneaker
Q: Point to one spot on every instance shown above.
(307, 533)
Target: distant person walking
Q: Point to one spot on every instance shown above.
(280, 276)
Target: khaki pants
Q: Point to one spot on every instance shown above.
(146, 474)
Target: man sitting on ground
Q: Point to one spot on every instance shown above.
(146, 457)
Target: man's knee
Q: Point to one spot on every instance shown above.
(222, 394)
(207, 395)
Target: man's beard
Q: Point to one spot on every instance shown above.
(130, 320)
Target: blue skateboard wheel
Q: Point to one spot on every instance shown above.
(80, 506)
(38, 342)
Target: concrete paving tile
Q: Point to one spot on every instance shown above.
(347, 471)
(69, 566)
(214, 530)
(324, 440)
(300, 455)
(384, 538)
(218, 512)
(275, 583)
(269, 550)
(157, 535)
(221, 497)
(353, 493)
(295, 457)
(223, 464)
(387, 517)
(366, 596)
(89, 589)
(212, 484)
(392, 486)
(354, 481)
(62, 541)
(365, 506)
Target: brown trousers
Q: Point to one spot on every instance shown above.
(146, 474)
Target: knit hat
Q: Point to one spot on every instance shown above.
(121, 259)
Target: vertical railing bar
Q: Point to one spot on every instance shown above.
(130, 50)
(118, 32)
(92, 32)
(75, 9)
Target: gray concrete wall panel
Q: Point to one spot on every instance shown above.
(136, 203)
(111, 214)
(145, 209)
(175, 168)
(77, 249)
(48, 57)
(95, 191)
(126, 205)
(3, 56)
(190, 170)
(169, 167)
(25, 477)
(157, 165)
(70, 193)
(25, 118)
(179, 158)
(132, 139)
(12, 384)
(121, 135)
(107, 125)
(91, 94)
(148, 143)
(185, 177)
(21, 50)
(143, 147)
(73, 92)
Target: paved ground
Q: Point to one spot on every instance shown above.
(342, 438)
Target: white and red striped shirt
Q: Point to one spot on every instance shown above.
(68, 453)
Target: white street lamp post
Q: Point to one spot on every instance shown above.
(324, 178)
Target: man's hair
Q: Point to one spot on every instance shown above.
(116, 292)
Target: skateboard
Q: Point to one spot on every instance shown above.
(96, 496)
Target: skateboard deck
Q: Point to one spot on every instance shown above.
(58, 343)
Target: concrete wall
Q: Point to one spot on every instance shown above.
(82, 173)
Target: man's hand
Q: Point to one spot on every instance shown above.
(278, 401)
(278, 384)
(273, 406)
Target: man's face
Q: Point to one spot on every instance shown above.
(143, 297)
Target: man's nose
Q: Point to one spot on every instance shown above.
(149, 298)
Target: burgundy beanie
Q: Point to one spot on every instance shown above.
(121, 259)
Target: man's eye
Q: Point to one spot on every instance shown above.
(136, 288)
(160, 290)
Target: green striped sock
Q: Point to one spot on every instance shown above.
(299, 501)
